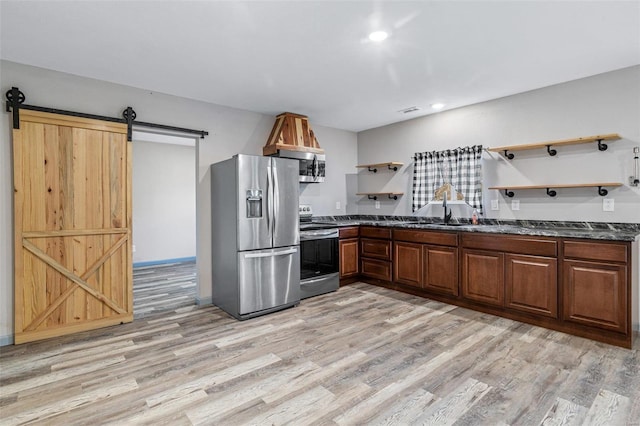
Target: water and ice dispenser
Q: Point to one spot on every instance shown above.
(254, 203)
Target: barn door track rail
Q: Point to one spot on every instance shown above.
(15, 102)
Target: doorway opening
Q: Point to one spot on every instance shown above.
(164, 223)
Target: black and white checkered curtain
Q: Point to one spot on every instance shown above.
(461, 167)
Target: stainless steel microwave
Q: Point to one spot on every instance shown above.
(312, 166)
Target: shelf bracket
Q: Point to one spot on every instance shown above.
(601, 191)
(394, 168)
(508, 193)
(374, 170)
(602, 146)
(508, 154)
(551, 192)
(372, 197)
(393, 197)
(552, 152)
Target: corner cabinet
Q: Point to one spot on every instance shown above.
(426, 260)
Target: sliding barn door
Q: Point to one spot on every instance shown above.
(72, 201)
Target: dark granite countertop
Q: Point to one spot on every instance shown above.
(591, 230)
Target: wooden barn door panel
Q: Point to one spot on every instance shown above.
(72, 200)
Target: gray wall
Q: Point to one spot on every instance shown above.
(606, 103)
(231, 131)
(164, 201)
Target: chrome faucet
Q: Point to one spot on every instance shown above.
(447, 216)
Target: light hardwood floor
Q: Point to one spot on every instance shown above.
(362, 355)
(165, 287)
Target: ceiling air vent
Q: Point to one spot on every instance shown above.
(409, 110)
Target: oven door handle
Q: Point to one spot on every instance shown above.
(311, 235)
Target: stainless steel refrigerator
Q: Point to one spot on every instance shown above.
(256, 237)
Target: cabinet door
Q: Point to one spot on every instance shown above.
(407, 263)
(531, 284)
(349, 258)
(375, 268)
(483, 276)
(595, 294)
(441, 269)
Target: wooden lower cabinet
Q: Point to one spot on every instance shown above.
(376, 268)
(531, 284)
(483, 276)
(349, 258)
(595, 294)
(407, 263)
(440, 265)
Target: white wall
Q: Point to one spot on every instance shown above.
(164, 201)
(231, 131)
(606, 103)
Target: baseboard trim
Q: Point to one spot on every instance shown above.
(6, 340)
(204, 301)
(164, 261)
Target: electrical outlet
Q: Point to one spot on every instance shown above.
(607, 205)
(515, 204)
(494, 205)
(377, 205)
(337, 205)
(133, 248)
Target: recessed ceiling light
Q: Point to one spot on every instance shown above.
(378, 36)
(437, 106)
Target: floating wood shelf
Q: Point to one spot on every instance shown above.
(392, 165)
(375, 195)
(575, 141)
(550, 188)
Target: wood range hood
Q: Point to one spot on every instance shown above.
(291, 132)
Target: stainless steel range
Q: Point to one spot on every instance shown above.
(319, 257)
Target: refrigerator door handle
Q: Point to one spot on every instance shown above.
(277, 253)
(269, 200)
(275, 203)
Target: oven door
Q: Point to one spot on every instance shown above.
(319, 266)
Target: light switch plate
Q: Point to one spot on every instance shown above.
(494, 205)
(378, 205)
(515, 204)
(608, 205)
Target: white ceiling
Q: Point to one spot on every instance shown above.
(314, 58)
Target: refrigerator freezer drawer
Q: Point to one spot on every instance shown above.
(268, 278)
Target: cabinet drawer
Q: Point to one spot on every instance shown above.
(596, 251)
(375, 232)
(535, 246)
(427, 237)
(351, 232)
(379, 249)
(374, 268)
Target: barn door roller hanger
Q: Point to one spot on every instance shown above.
(15, 102)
